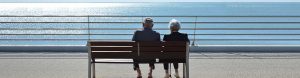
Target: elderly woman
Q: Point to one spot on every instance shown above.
(174, 26)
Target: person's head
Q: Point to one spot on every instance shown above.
(148, 23)
(174, 25)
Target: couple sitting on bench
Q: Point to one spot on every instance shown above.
(147, 34)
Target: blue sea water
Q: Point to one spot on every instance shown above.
(210, 15)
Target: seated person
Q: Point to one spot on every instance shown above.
(174, 26)
(147, 34)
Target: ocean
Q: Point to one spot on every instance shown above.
(207, 23)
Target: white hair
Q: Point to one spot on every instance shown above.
(174, 23)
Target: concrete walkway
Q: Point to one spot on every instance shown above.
(203, 65)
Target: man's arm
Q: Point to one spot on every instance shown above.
(158, 39)
(164, 39)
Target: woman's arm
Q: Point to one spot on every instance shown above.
(187, 38)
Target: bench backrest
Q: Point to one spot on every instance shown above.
(175, 50)
(112, 49)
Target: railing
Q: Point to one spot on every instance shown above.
(199, 28)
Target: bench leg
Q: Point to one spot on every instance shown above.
(89, 63)
(89, 70)
(170, 67)
(94, 72)
(185, 70)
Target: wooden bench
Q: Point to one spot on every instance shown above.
(126, 51)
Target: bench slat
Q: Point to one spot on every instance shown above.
(113, 48)
(113, 43)
(174, 44)
(150, 54)
(150, 49)
(116, 55)
(174, 49)
(150, 44)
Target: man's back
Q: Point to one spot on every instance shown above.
(146, 35)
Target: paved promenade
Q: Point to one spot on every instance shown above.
(202, 65)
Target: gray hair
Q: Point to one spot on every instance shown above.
(174, 23)
(148, 20)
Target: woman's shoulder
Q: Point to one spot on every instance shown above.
(167, 35)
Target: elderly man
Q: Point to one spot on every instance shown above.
(146, 34)
(174, 26)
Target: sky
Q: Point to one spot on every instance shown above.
(87, 1)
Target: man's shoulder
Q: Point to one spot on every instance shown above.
(137, 31)
(185, 34)
(156, 32)
(142, 31)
